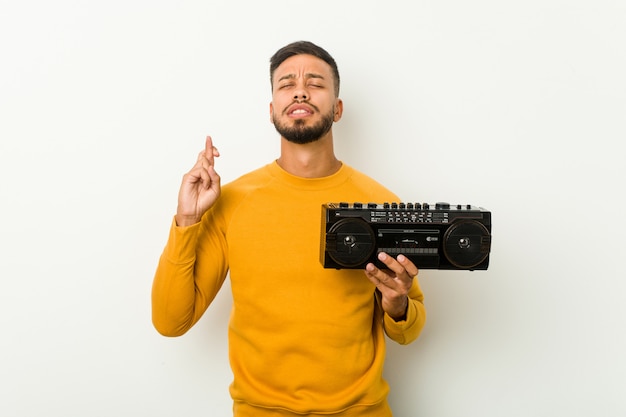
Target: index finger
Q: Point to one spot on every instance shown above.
(409, 266)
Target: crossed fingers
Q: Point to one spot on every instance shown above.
(206, 160)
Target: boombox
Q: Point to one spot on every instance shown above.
(439, 236)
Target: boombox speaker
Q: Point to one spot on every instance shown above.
(440, 236)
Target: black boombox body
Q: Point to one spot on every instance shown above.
(440, 236)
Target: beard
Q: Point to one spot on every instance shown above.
(302, 134)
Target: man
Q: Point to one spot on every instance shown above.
(303, 340)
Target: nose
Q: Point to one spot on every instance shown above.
(300, 94)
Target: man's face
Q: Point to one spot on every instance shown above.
(304, 105)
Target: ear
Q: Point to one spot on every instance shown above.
(271, 112)
(338, 110)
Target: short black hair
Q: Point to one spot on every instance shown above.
(303, 48)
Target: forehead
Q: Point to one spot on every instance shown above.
(301, 66)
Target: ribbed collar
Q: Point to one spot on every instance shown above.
(339, 177)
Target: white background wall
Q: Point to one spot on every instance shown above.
(515, 106)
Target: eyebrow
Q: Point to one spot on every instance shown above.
(307, 75)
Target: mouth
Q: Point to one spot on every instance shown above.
(298, 111)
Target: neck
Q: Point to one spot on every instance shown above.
(312, 160)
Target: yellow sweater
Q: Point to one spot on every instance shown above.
(303, 340)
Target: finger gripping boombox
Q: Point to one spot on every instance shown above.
(439, 236)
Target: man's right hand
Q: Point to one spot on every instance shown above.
(200, 188)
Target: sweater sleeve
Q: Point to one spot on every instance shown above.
(406, 331)
(190, 272)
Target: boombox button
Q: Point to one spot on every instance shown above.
(344, 205)
(358, 205)
(442, 206)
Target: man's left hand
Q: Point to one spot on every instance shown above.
(393, 283)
